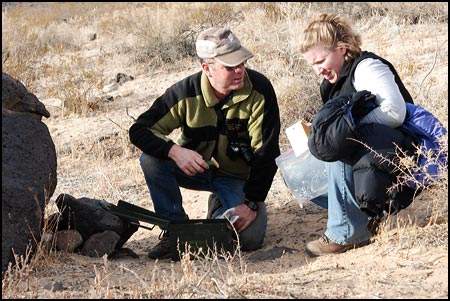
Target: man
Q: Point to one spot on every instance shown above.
(226, 113)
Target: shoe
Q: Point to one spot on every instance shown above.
(213, 204)
(162, 249)
(324, 246)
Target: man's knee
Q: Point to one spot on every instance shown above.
(252, 238)
(152, 166)
(146, 161)
(249, 242)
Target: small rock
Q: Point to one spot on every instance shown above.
(100, 244)
(68, 240)
(54, 286)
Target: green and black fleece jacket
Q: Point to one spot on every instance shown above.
(252, 113)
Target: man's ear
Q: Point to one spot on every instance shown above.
(206, 69)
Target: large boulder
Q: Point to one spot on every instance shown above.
(28, 169)
(15, 97)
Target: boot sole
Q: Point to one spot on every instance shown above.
(355, 246)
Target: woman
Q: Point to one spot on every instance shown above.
(333, 50)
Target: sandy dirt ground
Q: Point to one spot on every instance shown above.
(399, 263)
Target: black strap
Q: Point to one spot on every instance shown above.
(221, 113)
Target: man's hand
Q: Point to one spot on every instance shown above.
(189, 161)
(246, 217)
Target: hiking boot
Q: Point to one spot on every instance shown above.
(324, 246)
(213, 204)
(162, 249)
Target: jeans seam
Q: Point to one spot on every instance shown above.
(344, 204)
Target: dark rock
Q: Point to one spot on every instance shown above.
(122, 253)
(123, 78)
(88, 217)
(68, 240)
(28, 169)
(15, 97)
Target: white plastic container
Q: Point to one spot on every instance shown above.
(304, 175)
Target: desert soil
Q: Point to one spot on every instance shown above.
(395, 265)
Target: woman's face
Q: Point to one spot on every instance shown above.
(325, 62)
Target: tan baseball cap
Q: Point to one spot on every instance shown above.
(222, 45)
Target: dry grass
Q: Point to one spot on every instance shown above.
(49, 48)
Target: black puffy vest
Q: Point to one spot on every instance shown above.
(344, 86)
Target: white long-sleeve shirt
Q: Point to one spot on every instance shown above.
(374, 76)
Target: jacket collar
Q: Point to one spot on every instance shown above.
(238, 95)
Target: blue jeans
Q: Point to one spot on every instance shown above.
(164, 179)
(347, 224)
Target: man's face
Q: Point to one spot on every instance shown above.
(225, 79)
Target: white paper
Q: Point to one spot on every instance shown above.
(298, 137)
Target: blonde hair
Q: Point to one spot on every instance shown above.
(331, 31)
